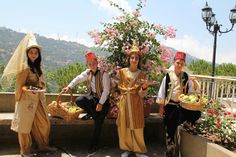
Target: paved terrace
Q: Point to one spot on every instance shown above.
(72, 138)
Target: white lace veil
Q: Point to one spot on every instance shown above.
(18, 61)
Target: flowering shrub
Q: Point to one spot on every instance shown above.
(219, 125)
(117, 38)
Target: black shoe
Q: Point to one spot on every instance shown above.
(92, 151)
(48, 149)
(86, 117)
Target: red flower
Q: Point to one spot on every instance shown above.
(216, 112)
(210, 111)
(217, 126)
(218, 119)
(235, 115)
(227, 113)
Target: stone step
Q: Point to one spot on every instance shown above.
(79, 148)
(82, 130)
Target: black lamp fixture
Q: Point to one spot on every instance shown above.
(213, 27)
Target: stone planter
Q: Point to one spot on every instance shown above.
(197, 146)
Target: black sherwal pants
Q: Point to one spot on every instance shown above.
(174, 116)
(89, 103)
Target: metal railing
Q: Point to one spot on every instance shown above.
(218, 88)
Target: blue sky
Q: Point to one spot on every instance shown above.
(72, 20)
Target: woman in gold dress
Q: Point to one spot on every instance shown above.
(130, 120)
(30, 108)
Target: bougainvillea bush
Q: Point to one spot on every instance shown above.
(118, 36)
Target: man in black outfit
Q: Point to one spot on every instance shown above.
(175, 83)
(96, 102)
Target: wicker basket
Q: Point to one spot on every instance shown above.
(63, 109)
(196, 106)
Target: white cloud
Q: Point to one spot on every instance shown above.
(197, 49)
(191, 46)
(230, 57)
(104, 4)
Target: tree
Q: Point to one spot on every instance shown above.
(118, 36)
(226, 69)
(200, 67)
(61, 77)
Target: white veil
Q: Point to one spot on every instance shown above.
(18, 61)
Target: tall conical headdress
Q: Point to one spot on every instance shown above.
(19, 60)
(32, 42)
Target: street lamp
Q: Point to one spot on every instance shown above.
(213, 27)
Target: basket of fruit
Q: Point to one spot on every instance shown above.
(194, 102)
(65, 110)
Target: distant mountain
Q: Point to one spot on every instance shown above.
(55, 53)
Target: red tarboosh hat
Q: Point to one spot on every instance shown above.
(90, 55)
(180, 56)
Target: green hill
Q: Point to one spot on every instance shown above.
(55, 53)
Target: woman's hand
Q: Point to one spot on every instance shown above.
(146, 84)
(26, 89)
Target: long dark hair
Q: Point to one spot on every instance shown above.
(35, 66)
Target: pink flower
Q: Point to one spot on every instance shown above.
(170, 32)
(218, 119)
(137, 13)
(145, 49)
(150, 35)
(167, 54)
(96, 36)
(120, 18)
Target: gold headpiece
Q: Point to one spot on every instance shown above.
(134, 49)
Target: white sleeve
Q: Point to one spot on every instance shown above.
(80, 78)
(106, 88)
(162, 92)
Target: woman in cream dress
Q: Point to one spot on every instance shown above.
(30, 108)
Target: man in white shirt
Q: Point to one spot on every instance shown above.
(175, 83)
(96, 103)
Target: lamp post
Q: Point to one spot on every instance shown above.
(213, 27)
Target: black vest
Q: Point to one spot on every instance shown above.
(183, 79)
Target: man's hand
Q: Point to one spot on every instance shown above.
(161, 110)
(99, 107)
(196, 85)
(65, 90)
